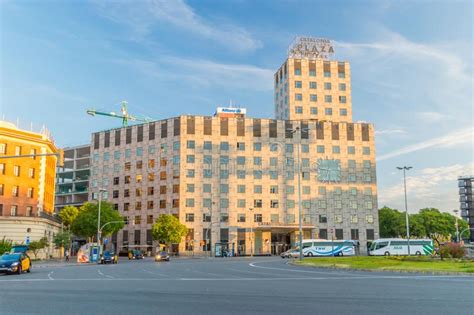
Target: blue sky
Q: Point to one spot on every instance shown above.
(411, 63)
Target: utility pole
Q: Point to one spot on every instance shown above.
(406, 168)
(251, 235)
(457, 225)
(101, 190)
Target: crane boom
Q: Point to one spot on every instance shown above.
(125, 116)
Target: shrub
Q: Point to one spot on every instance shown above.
(5, 245)
(452, 250)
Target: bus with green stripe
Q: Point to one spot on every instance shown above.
(399, 246)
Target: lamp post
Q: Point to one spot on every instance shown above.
(101, 190)
(456, 224)
(251, 235)
(406, 168)
(300, 209)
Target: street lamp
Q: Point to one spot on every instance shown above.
(251, 235)
(300, 209)
(457, 226)
(406, 168)
(101, 190)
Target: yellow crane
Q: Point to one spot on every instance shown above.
(124, 115)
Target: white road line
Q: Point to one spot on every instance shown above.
(49, 275)
(155, 273)
(104, 275)
(253, 264)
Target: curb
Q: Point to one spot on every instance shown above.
(385, 270)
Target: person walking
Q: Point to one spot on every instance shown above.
(66, 254)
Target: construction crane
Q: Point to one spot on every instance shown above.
(125, 116)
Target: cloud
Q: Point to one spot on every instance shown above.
(428, 187)
(390, 131)
(433, 117)
(143, 16)
(201, 72)
(458, 137)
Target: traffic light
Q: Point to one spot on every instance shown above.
(61, 157)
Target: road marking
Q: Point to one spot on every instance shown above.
(155, 273)
(49, 275)
(253, 264)
(104, 275)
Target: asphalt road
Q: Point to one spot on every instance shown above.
(229, 286)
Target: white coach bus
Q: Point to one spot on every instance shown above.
(399, 246)
(318, 247)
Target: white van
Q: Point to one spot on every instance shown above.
(399, 246)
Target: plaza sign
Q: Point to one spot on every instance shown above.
(312, 48)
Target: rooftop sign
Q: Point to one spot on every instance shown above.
(310, 47)
(231, 110)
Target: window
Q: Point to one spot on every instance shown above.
(320, 149)
(139, 151)
(224, 146)
(31, 173)
(313, 97)
(341, 75)
(206, 217)
(274, 204)
(299, 109)
(151, 191)
(1, 190)
(327, 85)
(241, 189)
(257, 174)
(328, 111)
(190, 188)
(207, 145)
(224, 217)
(342, 99)
(241, 217)
(343, 112)
(206, 188)
(327, 74)
(29, 211)
(30, 192)
(336, 149)
(338, 218)
(117, 155)
(297, 71)
(190, 144)
(306, 190)
(257, 203)
(298, 84)
(312, 85)
(176, 146)
(354, 218)
(369, 218)
(3, 148)
(17, 150)
(273, 189)
(13, 211)
(298, 97)
(370, 234)
(257, 146)
(323, 218)
(16, 170)
(241, 160)
(190, 173)
(257, 217)
(342, 86)
(189, 217)
(241, 203)
(328, 98)
(365, 150)
(339, 234)
(275, 218)
(15, 191)
(312, 73)
(128, 153)
(290, 218)
(241, 146)
(257, 189)
(190, 158)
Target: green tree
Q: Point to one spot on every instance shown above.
(417, 228)
(68, 215)
(36, 246)
(439, 225)
(62, 239)
(168, 230)
(391, 222)
(5, 245)
(85, 223)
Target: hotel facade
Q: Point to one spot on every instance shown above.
(233, 180)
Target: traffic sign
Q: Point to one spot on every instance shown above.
(27, 241)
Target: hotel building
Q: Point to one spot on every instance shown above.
(233, 180)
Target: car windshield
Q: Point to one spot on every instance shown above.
(10, 256)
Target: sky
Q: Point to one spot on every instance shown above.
(411, 68)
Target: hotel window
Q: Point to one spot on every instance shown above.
(3, 148)
(190, 144)
(31, 173)
(341, 75)
(241, 174)
(323, 218)
(241, 203)
(29, 211)
(368, 205)
(312, 85)
(306, 190)
(13, 211)
(273, 189)
(151, 149)
(241, 217)
(257, 189)
(189, 202)
(290, 204)
(190, 173)
(336, 149)
(241, 189)
(17, 150)
(190, 159)
(206, 203)
(327, 85)
(322, 204)
(207, 145)
(257, 174)
(328, 111)
(320, 148)
(30, 192)
(298, 84)
(117, 155)
(297, 71)
(241, 146)
(140, 151)
(298, 97)
(365, 150)
(224, 203)
(338, 218)
(257, 146)
(224, 188)
(206, 188)
(257, 160)
(128, 153)
(274, 204)
(224, 146)
(257, 217)
(189, 217)
(207, 173)
(343, 112)
(149, 205)
(342, 99)
(299, 110)
(257, 203)
(273, 174)
(367, 164)
(350, 150)
(16, 170)
(305, 148)
(313, 98)
(312, 73)
(190, 188)
(224, 217)
(370, 219)
(241, 160)
(139, 165)
(328, 98)
(342, 86)
(162, 204)
(354, 218)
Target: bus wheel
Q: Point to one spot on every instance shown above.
(387, 254)
(418, 254)
(310, 254)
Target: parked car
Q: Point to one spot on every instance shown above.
(108, 258)
(15, 263)
(291, 253)
(162, 256)
(135, 254)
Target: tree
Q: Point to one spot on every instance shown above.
(68, 215)
(5, 245)
(62, 239)
(439, 225)
(36, 246)
(85, 223)
(168, 230)
(391, 222)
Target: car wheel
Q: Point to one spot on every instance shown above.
(310, 254)
(19, 270)
(387, 254)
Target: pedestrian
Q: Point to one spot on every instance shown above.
(66, 254)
